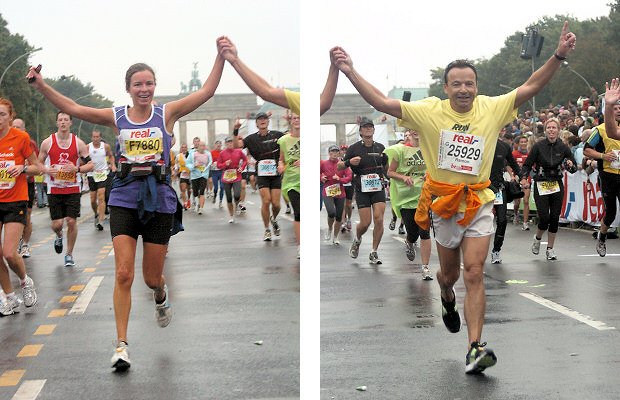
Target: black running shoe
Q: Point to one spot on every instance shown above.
(58, 244)
(450, 314)
(479, 358)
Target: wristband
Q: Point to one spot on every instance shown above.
(235, 132)
(559, 57)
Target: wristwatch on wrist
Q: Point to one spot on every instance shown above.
(559, 57)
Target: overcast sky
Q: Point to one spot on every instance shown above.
(98, 41)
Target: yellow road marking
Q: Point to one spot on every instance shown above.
(76, 288)
(68, 299)
(11, 377)
(98, 262)
(60, 312)
(89, 269)
(45, 329)
(30, 350)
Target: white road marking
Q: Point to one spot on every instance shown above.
(111, 253)
(596, 255)
(249, 202)
(601, 326)
(400, 239)
(80, 305)
(29, 390)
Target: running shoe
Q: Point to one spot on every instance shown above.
(29, 293)
(348, 225)
(242, 208)
(213, 200)
(14, 302)
(5, 307)
(426, 273)
(409, 250)
(450, 314)
(495, 257)
(336, 241)
(276, 227)
(120, 359)
(601, 247)
(231, 220)
(58, 244)
(525, 227)
(374, 258)
(96, 220)
(392, 224)
(187, 205)
(355, 248)
(267, 235)
(288, 209)
(199, 211)
(220, 204)
(401, 229)
(551, 255)
(163, 312)
(536, 246)
(69, 262)
(328, 235)
(99, 226)
(25, 253)
(479, 358)
(196, 207)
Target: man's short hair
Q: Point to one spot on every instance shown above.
(62, 112)
(459, 64)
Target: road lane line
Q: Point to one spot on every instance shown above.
(30, 350)
(11, 377)
(59, 312)
(596, 255)
(601, 326)
(45, 330)
(29, 390)
(76, 288)
(68, 299)
(90, 269)
(398, 238)
(87, 294)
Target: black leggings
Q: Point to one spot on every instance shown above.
(610, 188)
(293, 196)
(231, 187)
(502, 221)
(334, 207)
(549, 208)
(412, 228)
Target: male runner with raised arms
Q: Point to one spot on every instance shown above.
(457, 138)
(65, 157)
(103, 160)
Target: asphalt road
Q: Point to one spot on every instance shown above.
(234, 333)
(381, 325)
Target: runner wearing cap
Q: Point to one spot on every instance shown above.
(333, 192)
(263, 146)
(368, 162)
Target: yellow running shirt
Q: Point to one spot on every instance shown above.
(293, 100)
(459, 148)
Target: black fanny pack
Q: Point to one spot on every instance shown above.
(137, 170)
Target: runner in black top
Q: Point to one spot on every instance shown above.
(263, 147)
(503, 157)
(368, 163)
(548, 155)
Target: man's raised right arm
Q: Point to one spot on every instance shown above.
(371, 94)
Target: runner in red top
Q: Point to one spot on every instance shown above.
(15, 149)
(66, 157)
(520, 155)
(232, 163)
(334, 194)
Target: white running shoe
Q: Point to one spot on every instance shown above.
(120, 359)
(336, 241)
(14, 302)
(551, 255)
(163, 312)
(426, 273)
(231, 220)
(374, 258)
(29, 293)
(601, 247)
(5, 307)
(267, 235)
(25, 252)
(496, 258)
(328, 235)
(526, 226)
(536, 246)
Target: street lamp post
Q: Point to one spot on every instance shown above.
(14, 61)
(81, 121)
(565, 64)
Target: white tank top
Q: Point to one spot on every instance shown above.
(98, 156)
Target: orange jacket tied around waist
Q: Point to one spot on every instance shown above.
(449, 198)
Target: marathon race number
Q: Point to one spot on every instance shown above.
(547, 187)
(230, 175)
(460, 152)
(65, 177)
(142, 147)
(267, 168)
(201, 168)
(6, 181)
(184, 175)
(499, 198)
(371, 183)
(333, 190)
(616, 163)
(100, 175)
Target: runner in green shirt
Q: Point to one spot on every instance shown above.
(289, 166)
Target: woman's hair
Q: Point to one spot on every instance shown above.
(557, 122)
(9, 105)
(136, 68)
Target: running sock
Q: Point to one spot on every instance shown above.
(537, 238)
(549, 248)
(23, 281)
(160, 291)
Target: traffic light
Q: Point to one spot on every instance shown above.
(531, 44)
